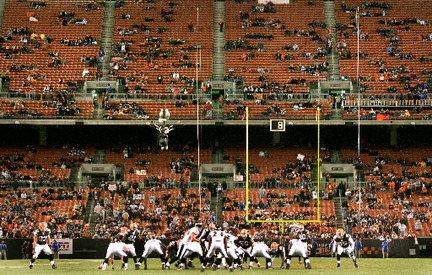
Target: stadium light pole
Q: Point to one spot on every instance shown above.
(198, 118)
(357, 17)
(247, 163)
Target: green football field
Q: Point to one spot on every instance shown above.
(412, 266)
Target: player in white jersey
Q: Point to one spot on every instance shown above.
(217, 244)
(298, 246)
(344, 245)
(153, 245)
(41, 243)
(260, 249)
(190, 245)
(115, 248)
(233, 259)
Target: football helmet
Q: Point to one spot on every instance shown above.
(212, 226)
(43, 226)
(133, 226)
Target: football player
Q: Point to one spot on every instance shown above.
(130, 236)
(243, 243)
(217, 244)
(344, 245)
(298, 246)
(277, 250)
(41, 243)
(115, 248)
(171, 254)
(204, 237)
(260, 249)
(153, 244)
(233, 259)
(190, 245)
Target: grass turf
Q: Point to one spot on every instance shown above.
(319, 266)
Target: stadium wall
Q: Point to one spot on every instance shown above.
(96, 248)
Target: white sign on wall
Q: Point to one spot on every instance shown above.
(66, 246)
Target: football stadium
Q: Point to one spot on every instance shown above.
(215, 136)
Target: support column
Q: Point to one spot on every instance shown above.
(42, 135)
(394, 135)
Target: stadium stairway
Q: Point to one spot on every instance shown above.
(218, 66)
(2, 6)
(339, 211)
(74, 174)
(216, 209)
(98, 111)
(336, 113)
(335, 156)
(99, 156)
(218, 111)
(90, 217)
(3, 87)
(217, 155)
(107, 37)
(332, 57)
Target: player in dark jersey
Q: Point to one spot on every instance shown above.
(171, 254)
(203, 237)
(344, 245)
(129, 238)
(41, 243)
(243, 243)
(277, 250)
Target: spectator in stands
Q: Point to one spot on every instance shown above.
(109, 89)
(262, 192)
(208, 107)
(85, 72)
(190, 27)
(418, 225)
(221, 26)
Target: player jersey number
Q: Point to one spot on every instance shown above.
(42, 239)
